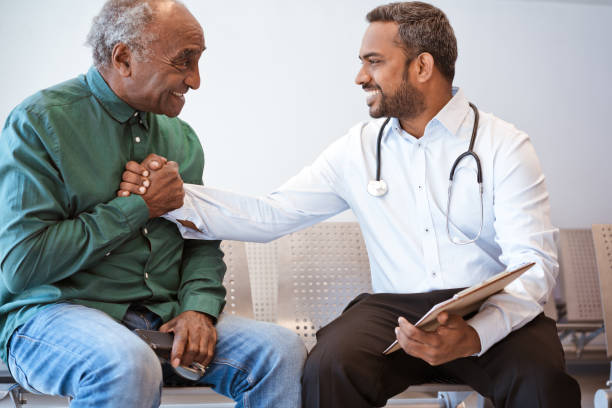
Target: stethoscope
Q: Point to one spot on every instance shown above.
(378, 187)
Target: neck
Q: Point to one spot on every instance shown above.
(433, 104)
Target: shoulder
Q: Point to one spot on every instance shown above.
(498, 130)
(56, 99)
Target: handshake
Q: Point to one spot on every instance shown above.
(157, 180)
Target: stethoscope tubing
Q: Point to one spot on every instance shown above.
(469, 153)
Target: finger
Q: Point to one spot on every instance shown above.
(135, 167)
(123, 193)
(410, 346)
(154, 161)
(209, 343)
(172, 164)
(167, 327)
(178, 348)
(443, 318)
(192, 349)
(415, 333)
(133, 188)
(131, 177)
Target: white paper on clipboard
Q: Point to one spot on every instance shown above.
(466, 301)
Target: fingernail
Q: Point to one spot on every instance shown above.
(142, 189)
(176, 362)
(145, 173)
(146, 183)
(154, 163)
(124, 193)
(397, 331)
(399, 319)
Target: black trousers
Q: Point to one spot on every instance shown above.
(347, 368)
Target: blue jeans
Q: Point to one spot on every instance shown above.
(79, 352)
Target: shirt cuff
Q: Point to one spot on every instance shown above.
(211, 306)
(134, 209)
(491, 327)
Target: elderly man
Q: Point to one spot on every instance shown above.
(424, 244)
(82, 266)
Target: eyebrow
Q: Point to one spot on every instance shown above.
(370, 54)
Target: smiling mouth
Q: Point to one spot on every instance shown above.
(178, 94)
(371, 94)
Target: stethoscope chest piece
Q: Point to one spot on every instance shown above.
(377, 188)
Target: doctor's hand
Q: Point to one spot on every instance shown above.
(453, 339)
(195, 338)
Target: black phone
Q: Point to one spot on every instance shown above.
(161, 343)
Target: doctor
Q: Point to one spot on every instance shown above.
(423, 244)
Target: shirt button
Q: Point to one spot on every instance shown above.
(420, 187)
(135, 114)
(426, 229)
(107, 254)
(145, 231)
(137, 139)
(433, 274)
(146, 275)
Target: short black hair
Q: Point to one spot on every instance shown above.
(422, 28)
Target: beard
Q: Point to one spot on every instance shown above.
(406, 103)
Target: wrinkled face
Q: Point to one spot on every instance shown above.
(385, 74)
(159, 85)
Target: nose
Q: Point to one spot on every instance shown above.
(362, 76)
(192, 79)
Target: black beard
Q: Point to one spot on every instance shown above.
(406, 103)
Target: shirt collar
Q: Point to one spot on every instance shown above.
(118, 109)
(451, 116)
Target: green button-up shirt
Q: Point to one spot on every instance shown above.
(66, 236)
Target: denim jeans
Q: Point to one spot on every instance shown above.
(79, 352)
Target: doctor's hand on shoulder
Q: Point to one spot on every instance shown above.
(157, 180)
(453, 339)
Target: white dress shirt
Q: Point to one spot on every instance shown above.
(405, 230)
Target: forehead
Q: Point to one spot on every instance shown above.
(177, 29)
(380, 38)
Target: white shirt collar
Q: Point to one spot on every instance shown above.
(451, 116)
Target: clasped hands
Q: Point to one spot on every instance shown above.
(159, 183)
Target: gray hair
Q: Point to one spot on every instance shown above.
(122, 21)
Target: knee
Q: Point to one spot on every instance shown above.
(287, 347)
(131, 365)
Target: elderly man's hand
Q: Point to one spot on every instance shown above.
(195, 338)
(453, 339)
(157, 180)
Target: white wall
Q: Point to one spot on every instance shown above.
(278, 82)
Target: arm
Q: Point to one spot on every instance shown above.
(41, 241)
(311, 196)
(525, 234)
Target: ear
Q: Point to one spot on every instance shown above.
(121, 59)
(424, 67)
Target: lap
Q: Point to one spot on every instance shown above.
(62, 340)
(366, 328)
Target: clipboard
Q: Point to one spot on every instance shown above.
(466, 301)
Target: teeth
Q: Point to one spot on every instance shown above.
(176, 93)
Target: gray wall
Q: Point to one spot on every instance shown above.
(278, 82)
